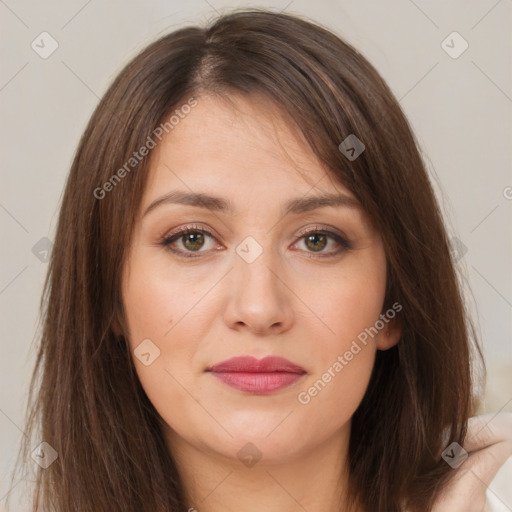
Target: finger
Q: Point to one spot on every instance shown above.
(488, 429)
(466, 489)
(485, 463)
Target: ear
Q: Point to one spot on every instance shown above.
(390, 335)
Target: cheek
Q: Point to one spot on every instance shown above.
(342, 368)
(328, 401)
(156, 303)
(158, 310)
(350, 303)
(347, 300)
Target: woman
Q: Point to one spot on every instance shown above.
(251, 302)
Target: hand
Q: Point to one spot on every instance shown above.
(489, 444)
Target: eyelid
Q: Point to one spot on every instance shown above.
(167, 239)
(323, 228)
(335, 234)
(190, 227)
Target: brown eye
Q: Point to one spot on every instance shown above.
(193, 241)
(316, 242)
(188, 241)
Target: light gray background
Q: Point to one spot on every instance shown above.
(460, 110)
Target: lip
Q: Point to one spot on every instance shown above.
(257, 376)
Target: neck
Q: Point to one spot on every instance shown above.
(313, 480)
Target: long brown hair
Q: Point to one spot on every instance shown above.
(85, 397)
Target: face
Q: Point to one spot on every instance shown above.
(262, 271)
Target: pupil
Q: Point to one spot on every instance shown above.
(316, 247)
(196, 240)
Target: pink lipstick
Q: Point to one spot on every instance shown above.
(255, 376)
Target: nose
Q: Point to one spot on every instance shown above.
(260, 300)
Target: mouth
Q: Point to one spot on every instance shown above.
(255, 376)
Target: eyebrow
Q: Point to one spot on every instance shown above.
(219, 204)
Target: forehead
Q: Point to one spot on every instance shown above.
(242, 145)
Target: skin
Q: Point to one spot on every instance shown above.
(290, 301)
(489, 445)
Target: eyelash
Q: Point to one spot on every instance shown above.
(168, 240)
